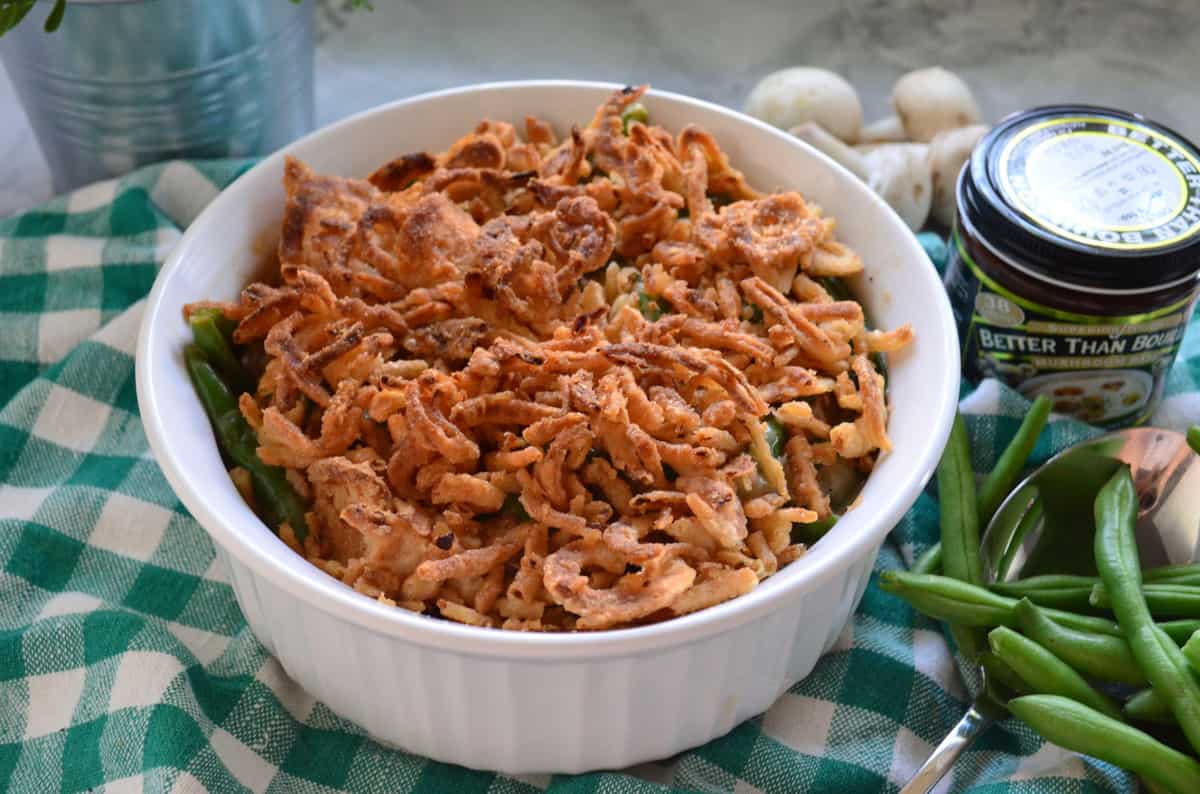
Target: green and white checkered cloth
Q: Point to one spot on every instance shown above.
(125, 664)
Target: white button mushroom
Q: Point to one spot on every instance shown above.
(931, 100)
(948, 151)
(793, 96)
(900, 174)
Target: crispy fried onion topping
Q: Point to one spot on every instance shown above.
(560, 380)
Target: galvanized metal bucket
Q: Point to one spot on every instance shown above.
(124, 83)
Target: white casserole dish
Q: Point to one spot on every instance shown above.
(527, 703)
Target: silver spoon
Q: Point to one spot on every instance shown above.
(1045, 526)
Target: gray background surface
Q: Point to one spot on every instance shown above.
(1141, 55)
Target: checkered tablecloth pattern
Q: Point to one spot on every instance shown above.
(125, 664)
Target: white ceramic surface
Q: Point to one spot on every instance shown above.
(525, 703)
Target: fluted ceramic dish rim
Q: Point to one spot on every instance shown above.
(261, 551)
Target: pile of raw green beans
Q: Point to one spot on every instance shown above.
(218, 377)
(1118, 688)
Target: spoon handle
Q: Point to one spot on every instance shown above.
(974, 722)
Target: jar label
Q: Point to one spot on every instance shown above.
(1103, 182)
(1105, 370)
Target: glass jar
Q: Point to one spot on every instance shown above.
(1075, 258)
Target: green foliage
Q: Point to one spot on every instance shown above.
(13, 12)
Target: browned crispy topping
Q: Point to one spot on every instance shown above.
(523, 382)
(403, 171)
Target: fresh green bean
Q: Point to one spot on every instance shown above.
(836, 288)
(1163, 599)
(1193, 438)
(1188, 573)
(953, 601)
(959, 510)
(635, 112)
(1101, 656)
(1168, 574)
(649, 306)
(960, 525)
(1180, 631)
(775, 434)
(210, 332)
(1074, 593)
(225, 325)
(999, 672)
(1008, 468)
(771, 457)
(1117, 563)
(214, 394)
(273, 493)
(1191, 651)
(813, 531)
(1147, 706)
(953, 607)
(1083, 730)
(1189, 579)
(1069, 598)
(958, 602)
(1050, 581)
(1044, 672)
(930, 561)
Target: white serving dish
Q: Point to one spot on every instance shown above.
(528, 703)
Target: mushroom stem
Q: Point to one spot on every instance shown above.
(885, 130)
(816, 136)
(900, 174)
(948, 151)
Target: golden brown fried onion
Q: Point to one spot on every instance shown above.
(522, 382)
